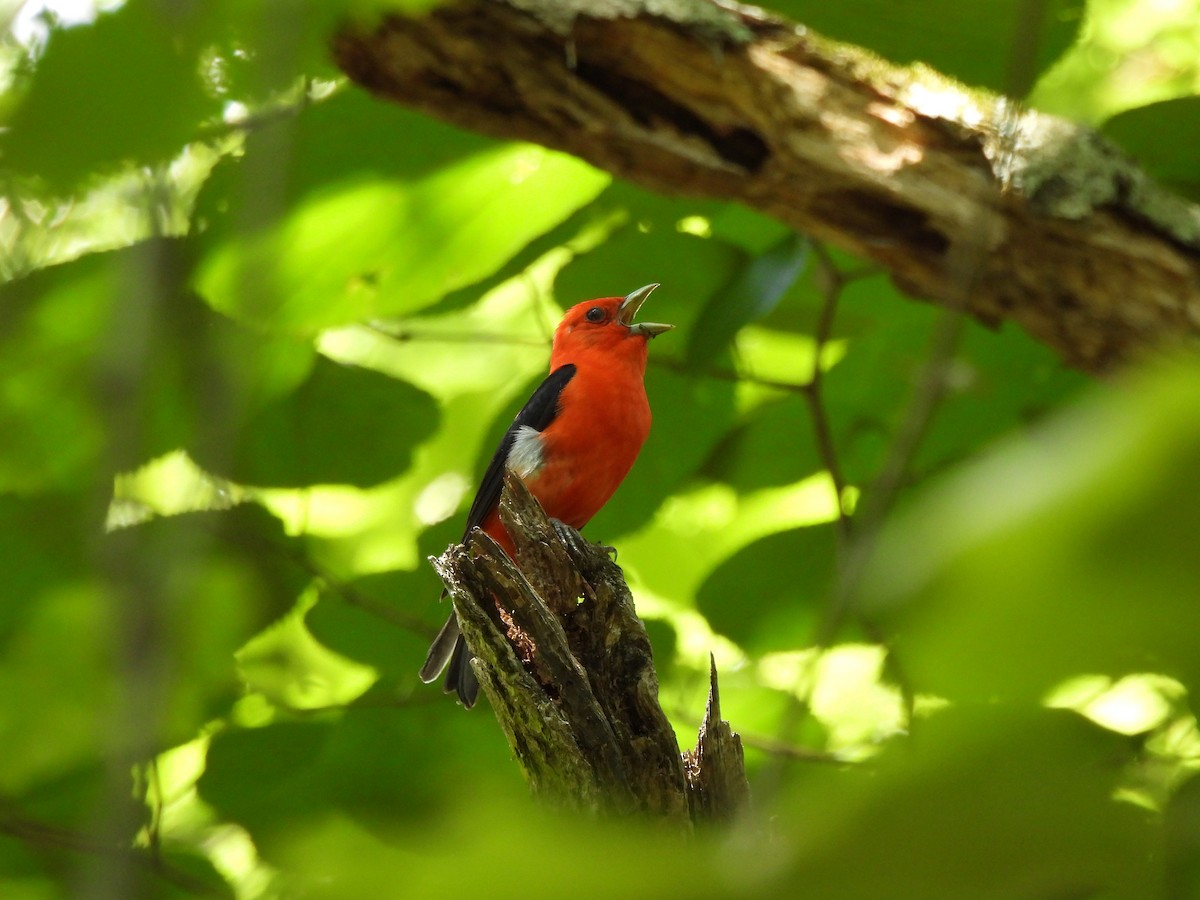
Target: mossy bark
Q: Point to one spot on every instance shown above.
(568, 669)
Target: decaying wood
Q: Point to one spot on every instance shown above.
(715, 770)
(965, 200)
(582, 714)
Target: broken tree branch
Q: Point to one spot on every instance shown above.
(566, 664)
(1065, 236)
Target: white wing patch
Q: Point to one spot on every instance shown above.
(526, 456)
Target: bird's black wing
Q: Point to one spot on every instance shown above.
(538, 412)
(449, 651)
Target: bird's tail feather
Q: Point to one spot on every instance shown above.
(449, 651)
(440, 651)
(460, 677)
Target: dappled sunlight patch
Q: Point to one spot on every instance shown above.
(784, 356)
(1152, 707)
(329, 510)
(1133, 705)
(180, 818)
(792, 671)
(364, 530)
(845, 690)
(664, 557)
(440, 498)
(292, 669)
(946, 100)
(695, 639)
(368, 248)
(853, 701)
(718, 511)
(698, 226)
(253, 710)
(170, 485)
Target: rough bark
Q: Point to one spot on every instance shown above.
(715, 770)
(964, 199)
(566, 664)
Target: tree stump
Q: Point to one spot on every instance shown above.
(566, 664)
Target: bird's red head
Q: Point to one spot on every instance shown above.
(605, 326)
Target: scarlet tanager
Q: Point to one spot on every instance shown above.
(572, 443)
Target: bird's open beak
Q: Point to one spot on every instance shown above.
(629, 308)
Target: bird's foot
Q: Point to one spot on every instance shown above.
(572, 538)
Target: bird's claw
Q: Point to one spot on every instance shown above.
(572, 538)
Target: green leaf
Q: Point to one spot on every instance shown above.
(997, 381)
(126, 89)
(377, 766)
(773, 445)
(1000, 382)
(51, 326)
(175, 597)
(343, 425)
(988, 802)
(1068, 553)
(109, 361)
(360, 628)
(383, 221)
(766, 595)
(972, 42)
(887, 337)
(40, 540)
(1165, 139)
(755, 291)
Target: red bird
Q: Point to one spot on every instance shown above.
(572, 443)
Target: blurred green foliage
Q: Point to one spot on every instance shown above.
(258, 337)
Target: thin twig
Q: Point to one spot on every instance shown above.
(403, 334)
(42, 835)
(776, 747)
(833, 284)
(348, 593)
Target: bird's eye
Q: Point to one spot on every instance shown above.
(595, 314)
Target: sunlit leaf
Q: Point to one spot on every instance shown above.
(352, 245)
